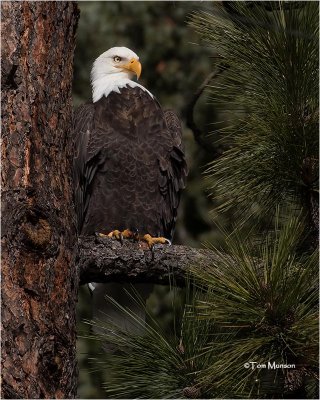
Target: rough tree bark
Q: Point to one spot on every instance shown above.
(106, 260)
(40, 282)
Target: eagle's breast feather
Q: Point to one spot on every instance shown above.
(129, 165)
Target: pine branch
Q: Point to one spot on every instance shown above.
(274, 5)
(270, 140)
(106, 260)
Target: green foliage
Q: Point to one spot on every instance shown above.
(155, 365)
(271, 92)
(267, 307)
(242, 309)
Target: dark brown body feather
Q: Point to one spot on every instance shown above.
(129, 166)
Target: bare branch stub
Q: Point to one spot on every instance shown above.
(105, 260)
(197, 132)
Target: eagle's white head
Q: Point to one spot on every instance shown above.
(116, 63)
(114, 69)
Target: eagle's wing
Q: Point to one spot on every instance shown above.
(88, 157)
(173, 173)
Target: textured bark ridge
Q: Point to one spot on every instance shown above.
(105, 260)
(39, 280)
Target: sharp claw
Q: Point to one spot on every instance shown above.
(91, 287)
(152, 241)
(135, 232)
(152, 253)
(121, 238)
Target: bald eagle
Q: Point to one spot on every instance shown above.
(129, 164)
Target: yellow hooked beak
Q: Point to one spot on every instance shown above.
(134, 66)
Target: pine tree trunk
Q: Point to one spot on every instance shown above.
(39, 280)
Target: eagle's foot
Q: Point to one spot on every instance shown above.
(120, 235)
(152, 241)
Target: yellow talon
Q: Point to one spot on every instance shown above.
(155, 240)
(115, 234)
(128, 234)
(102, 235)
(120, 235)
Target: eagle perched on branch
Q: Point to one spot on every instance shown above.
(129, 165)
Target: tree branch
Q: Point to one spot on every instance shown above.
(105, 260)
(197, 133)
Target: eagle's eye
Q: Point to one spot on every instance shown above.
(116, 59)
